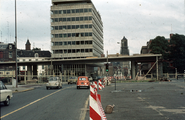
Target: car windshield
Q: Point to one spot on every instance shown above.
(82, 78)
(53, 79)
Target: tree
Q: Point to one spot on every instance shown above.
(160, 46)
(177, 52)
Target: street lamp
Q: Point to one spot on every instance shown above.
(16, 45)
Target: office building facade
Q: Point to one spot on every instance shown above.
(76, 30)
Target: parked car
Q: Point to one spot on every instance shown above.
(54, 82)
(72, 80)
(83, 81)
(5, 94)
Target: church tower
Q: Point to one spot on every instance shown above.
(124, 47)
(28, 45)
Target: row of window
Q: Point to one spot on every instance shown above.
(71, 11)
(71, 43)
(71, 19)
(71, 27)
(72, 51)
(71, 35)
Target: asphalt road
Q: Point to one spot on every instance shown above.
(40, 104)
(145, 100)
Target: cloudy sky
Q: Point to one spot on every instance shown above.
(137, 20)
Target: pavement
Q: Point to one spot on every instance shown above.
(145, 100)
(27, 87)
(23, 88)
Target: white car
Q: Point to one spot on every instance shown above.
(5, 94)
(54, 82)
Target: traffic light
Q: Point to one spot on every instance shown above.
(107, 67)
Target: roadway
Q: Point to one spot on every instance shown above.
(40, 104)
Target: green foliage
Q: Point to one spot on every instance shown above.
(173, 51)
(159, 46)
(177, 49)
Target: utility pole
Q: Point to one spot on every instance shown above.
(108, 66)
(16, 45)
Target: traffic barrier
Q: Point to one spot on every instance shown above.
(100, 85)
(95, 107)
(96, 85)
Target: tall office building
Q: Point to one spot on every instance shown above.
(76, 29)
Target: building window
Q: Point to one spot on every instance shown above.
(73, 42)
(60, 19)
(77, 26)
(68, 19)
(60, 11)
(29, 59)
(73, 18)
(73, 11)
(64, 11)
(56, 27)
(81, 26)
(81, 18)
(36, 55)
(73, 34)
(73, 50)
(10, 46)
(68, 11)
(23, 67)
(77, 19)
(42, 66)
(85, 10)
(86, 34)
(64, 19)
(69, 27)
(60, 43)
(60, 35)
(73, 26)
(65, 43)
(69, 43)
(10, 54)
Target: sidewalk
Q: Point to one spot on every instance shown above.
(27, 87)
(22, 88)
(144, 101)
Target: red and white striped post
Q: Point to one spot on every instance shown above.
(93, 105)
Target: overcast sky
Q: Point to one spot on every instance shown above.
(137, 20)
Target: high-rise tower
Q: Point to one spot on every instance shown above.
(124, 47)
(76, 29)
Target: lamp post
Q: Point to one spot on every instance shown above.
(16, 45)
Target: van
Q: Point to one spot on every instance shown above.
(83, 81)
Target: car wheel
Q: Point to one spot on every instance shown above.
(47, 88)
(77, 87)
(7, 101)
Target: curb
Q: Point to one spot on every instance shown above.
(22, 90)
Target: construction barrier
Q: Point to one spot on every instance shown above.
(95, 107)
